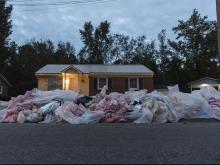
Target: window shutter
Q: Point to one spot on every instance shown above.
(141, 85)
(126, 84)
(95, 83)
(109, 83)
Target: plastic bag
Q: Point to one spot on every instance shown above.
(103, 91)
(136, 95)
(88, 117)
(2, 114)
(3, 104)
(21, 118)
(135, 114)
(91, 117)
(65, 95)
(160, 106)
(146, 117)
(32, 116)
(188, 106)
(173, 89)
(208, 92)
(50, 107)
(49, 118)
(84, 100)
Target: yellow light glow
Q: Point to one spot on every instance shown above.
(67, 81)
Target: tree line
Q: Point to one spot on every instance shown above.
(193, 54)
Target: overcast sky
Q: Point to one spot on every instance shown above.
(130, 17)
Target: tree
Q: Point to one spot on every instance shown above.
(65, 53)
(97, 43)
(163, 57)
(122, 49)
(5, 30)
(25, 60)
(196, 45)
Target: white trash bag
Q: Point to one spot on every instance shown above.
(50, 107)
(3, 104)
(49, 118)
(21, 118)
(2, 114)
(136, 95)
(206, 92)
(189, 106)
(173, 89)
(31, 116)
(89, 117)
(146, 117)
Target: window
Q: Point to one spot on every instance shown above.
(133, 83)
(1, 89)
(102, 82)
(54, 83)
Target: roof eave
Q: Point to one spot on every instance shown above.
(71, 66)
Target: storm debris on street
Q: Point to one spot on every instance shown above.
(133, 106)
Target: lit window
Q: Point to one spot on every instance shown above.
(102, 82)
(133, 83)
(1, 89)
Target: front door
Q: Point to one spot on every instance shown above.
(73, 84)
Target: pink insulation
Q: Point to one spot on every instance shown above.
(16, 105)
(114, 108)
(215, 105)
(74, 108)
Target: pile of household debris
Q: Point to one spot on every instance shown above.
(133, 106)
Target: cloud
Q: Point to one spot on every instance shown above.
(130, 17)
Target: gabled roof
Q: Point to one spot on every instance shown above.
(205, 80)
(5, 80)
(96, 68)
(52, 69)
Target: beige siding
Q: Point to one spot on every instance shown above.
(42, 83)
(84, 84)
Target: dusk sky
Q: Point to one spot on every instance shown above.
(130, 17)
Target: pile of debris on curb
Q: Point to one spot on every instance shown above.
(133, 106)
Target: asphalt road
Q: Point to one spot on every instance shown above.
(197, 142)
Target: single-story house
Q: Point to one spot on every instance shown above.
(207, 81)
(90, 79)
(4, 87)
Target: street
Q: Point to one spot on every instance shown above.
(190, 142)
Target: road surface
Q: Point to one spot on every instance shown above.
(197, 142)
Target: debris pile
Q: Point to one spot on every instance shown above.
(133, 106)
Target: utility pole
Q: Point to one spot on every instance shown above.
(218, 28)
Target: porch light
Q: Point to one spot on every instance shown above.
(204, 85)
(67, 81)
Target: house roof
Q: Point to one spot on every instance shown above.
(5, 80)
(205, 80)
(96, 68)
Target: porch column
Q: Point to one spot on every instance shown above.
(65, 81)
(79, 81)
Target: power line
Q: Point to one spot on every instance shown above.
(35, 4)
(51, 4)
(56, 5)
